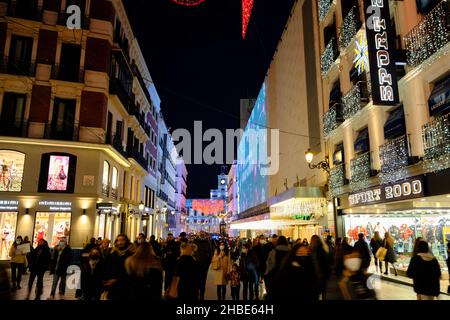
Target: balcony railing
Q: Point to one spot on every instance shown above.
(337, 179)
(14, 129)
(117, 144)
(324, 8)
(332, 118)
(123, 91)
(59, 73)
(394, 156)
(105, 189)
(430, 35)
(360, 168)
(114, 193)
(132, 153)
(356, 99)
(19, 67)
(436, 140)
(329, 56)
(25, 9)
(350, 28)
(63, 131)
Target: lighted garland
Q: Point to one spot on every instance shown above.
(360, 172)
(349, 29)
(337, 180)
(429, 36)
(330, 120)
(328, 57)
(351, 102)
(436, 139)
(247, 6)
(188, 2)
(324, 7)
(394, 160)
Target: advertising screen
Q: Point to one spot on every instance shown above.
(253, 156)
(11, 170)
(57, 173)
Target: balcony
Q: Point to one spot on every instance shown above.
(324, 8)
(337, 180)
(332, 119)
(429, 36)
(132, 153)
(62, 131)
(394, 158)
(329, 56)
(105, 189)
(25, 9)
(350, 28)
(14, 129)
(141, 81)
(18, 67)
(123, 91)
(59, 73)
(360, 168)
(117, 144)
(436, 140)
(356, 99)
(114, 193)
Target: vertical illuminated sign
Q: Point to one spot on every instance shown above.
(381, 43)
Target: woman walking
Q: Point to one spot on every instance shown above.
(390, 257)
(376, 243)
(221, 266)
(18, 260)
(39, 262)
(92, 273)
(145, 272)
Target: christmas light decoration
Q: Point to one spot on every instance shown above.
(350, 27)
(360, 172)
(436, 140)
(394, 160)
(352, 100)
(328, 57)
(361, 60)
(332, 119)
(324, 8)
(247, 6)
(188, 2)
(337, 180)
(429, 36)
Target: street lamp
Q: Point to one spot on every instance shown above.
(141, 206)
(324, 165)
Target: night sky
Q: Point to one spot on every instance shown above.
(201, 66)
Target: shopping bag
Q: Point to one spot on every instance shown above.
(381, 253)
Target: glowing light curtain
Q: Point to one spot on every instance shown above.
(247, 6)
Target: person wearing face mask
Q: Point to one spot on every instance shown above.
(18, 260)
(39, 261)
(221, 266)
(248, 265)
(296, 279)
(354, 282)
(92, 272)
(61, 261)
(261, 256)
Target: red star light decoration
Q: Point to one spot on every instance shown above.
(247, 6)
(188, 2)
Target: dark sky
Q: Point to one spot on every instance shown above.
(201, 66)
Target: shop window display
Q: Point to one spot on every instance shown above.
(52, 227)
(434, 228)
(8, 222)
(11, 170)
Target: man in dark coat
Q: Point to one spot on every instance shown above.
(61, 261)
(364, 251)
(156, 246)
(92, 273)
(186, 269)
(38, 263)
(203, 255)
(171, 252)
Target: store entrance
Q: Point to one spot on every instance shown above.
(52, 226)
(8, 223)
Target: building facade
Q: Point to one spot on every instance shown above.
(181, 183)
(78, 114)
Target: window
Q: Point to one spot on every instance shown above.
(13, 110)
(105, 180)
(338, 155)
(63, 120)
(19, 61)
(362, 143)
(119, 129)
(114, 182)
(11, 166)
(133, 188)
(69, 64)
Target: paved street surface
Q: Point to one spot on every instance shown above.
(385, 291)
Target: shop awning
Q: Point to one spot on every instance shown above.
(439, 101)
(362, 141)
(395, 124)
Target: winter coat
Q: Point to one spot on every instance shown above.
(390, 254)
(92, 279)
(364, 252)
(203, 255)
(156, 248)
(116, 270)
(261, 256)
(171, 252)
(17, 257)
(375, 245)
(275, 257)
(61, 262)
(322, 265)
(425, 271)
(40, 259)
(220, 275)
(148, 287)
(186, 268)
(248, 266)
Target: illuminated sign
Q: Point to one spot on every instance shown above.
(408, 189)
(9, 205)
(56, 205)
(381, 44)
(208, 207)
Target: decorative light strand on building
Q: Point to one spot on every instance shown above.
(394, 160)
(360, 172)
(324, 8)
(429, 36)
(247, 6)
(349, 29)
(436, 139)
(328, 56)
(331, 119)
(336, 180)
(352, 100)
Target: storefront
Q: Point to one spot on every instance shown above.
(52, 222)
(8, 223)
(415, 207)
(108, 221)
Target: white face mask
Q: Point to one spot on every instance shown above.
(221, 247)
(244, 250)
(262, 241)
(353, 264)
